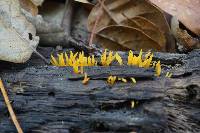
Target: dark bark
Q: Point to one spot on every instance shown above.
(46, 101)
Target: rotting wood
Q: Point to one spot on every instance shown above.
(44, 98)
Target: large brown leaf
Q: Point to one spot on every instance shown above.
(124, 37)
(138, 14)
(149, 28)
(130, 8)
(187, 11)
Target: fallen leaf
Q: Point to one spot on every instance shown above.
(149, 28)
(182, 36)
(148, 22)
(29, 6)
(187, 11)
(131, 9)
(124, 37)
(17, 35)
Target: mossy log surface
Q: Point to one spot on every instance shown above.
(49, 99)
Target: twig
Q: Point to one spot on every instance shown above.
(10, 109)
(95, 24)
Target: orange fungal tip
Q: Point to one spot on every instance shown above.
(86, 79)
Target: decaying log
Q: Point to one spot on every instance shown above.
(46, 101)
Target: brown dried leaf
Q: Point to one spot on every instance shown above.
(116, 9)
(187, 11)
(138, 14)
(29, 6)
(183, 37)
(149, 28)
(124, 37)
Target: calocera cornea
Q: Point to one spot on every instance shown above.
(79, 60)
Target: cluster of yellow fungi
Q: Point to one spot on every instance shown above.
(78, 61)
(112, 79)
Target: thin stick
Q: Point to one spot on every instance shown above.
(95, 25)
(10, 109)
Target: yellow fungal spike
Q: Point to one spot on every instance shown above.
(104, 57)
(75, 67)
(54, 61)
(132, 104)
(85, 60)
(147, 62)
(119, 78)
(93, 61)
(124, 80)
(134, 61)
(66, 59)
(71, 54)
(61, 60)
(133, 80)
(140, 59)
(110, 58)
(158, 69)
(75, 55)
(86, 79)
(130, 57)
(119, 59)
(111, 79)
(89, 61)
(168, 75)
(80, 59)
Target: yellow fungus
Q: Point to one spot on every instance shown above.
(139, 59)
(158, 68)
(76, 67)
(132, 104)
(168, 75)
(124, 80)
(119, 59)
(133, 80)
(66, 59)
(130, 57)
(86, 79)
(61, 60)
(111, 79)
(53, 61)
(79, 61)
(104, 57)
